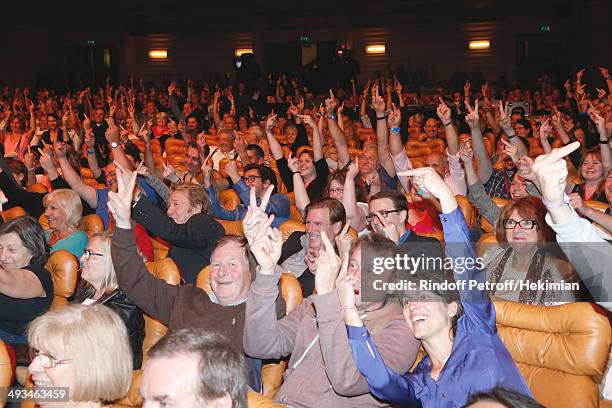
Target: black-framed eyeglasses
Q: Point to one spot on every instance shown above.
(509, 223)
(336, 190)
(46, 360)
(370, 217)
(89, 253)
(251, 179)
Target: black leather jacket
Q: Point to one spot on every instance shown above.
(131, 316)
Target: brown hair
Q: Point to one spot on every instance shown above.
(340, 177)
(400, 202)
(530, 208)
(196, 195)
(337, 213)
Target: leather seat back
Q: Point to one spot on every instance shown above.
(64, 268)
(232, 227)
(486, 225)
(561, 351)
(12, 213)
(6, 372)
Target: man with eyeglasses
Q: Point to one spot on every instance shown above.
(388, 217)
(257, 177)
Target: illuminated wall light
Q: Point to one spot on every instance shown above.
(375, 49)
(239, 51)
(480, 45)
(158, 54)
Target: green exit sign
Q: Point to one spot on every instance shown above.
(91, 42)
(545, 28)
(304, 38)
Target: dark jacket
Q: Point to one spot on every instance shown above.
(190, 243)
(129, 313)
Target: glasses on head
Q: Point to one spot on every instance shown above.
(509, 223)
(89, 253)
(46, 360)
(251, 179)
(336, 190)
(385, 213)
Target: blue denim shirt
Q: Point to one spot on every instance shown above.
(279, 205)
(479, 359)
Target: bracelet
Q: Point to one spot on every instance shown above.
(382, 117)
(448, 124)
(333, 117)
(513, 136)
(89, 151)
(604, 142)
(395, 129)
(349, 307)
(295, 172)
(554, 206)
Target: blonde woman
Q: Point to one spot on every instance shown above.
(83, 349)
(63, 209)
(98, 285)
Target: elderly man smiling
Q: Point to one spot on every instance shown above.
(185, 306)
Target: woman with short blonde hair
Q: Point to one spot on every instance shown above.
(84, 349)
(63, 210)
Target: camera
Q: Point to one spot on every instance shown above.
(523, 106)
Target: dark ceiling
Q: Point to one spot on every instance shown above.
(238, 15)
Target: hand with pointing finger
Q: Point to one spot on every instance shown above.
(328, 266)
(428, 179)
(551, 173)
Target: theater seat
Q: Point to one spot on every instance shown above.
(167, 270)
(596, 205)
(485, 242)
(486, 225)
(91, 224)
(12, 213)
(291, 291)
(255, 400)
(6, 372)
(232, 227)
(289, 227)
(160, 248)
(561, 351)
(37, 188)
(64, 268)
(467, 209)
(295, 214)
(229, 199)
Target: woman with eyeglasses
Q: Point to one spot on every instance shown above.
(26, 287)
(82, 353)
(526, 250)
(98, 285)
(456, 328)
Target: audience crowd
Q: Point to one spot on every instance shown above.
(244, 225)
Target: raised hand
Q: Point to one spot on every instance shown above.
(328, 266)
(551, 173)
(89, 139)
(466, 89)
(330, 103)
(444, 112)
(344, 241)
(267, 248)
(604, 72)
(472, 118)
(271, 122)
(577, 202)
(510, 151)
(87, 123)
(256, 220)
(231, 168)
(307, 119)
(504, 118)
(120, 203)
(353, 169)
(395, 117)
(169, 173)
(378, 104)
(293, 163)
(143, 170)
(171, 88)
(428, 179)
(466, 152)
(525, 168)
(46, 161)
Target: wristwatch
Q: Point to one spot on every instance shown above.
(115, 145)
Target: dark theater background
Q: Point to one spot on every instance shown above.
(65, 42)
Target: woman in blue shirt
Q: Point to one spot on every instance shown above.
(63, 210)
(465, 354)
